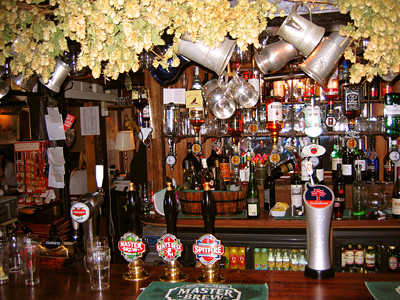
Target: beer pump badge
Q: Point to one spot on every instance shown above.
(318, 196)
(131, 247)
(80, 212)
(169, 248)
(208, 249)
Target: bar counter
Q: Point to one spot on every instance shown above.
(73, 283)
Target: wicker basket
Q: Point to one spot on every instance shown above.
(228, 203)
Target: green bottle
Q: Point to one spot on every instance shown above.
(252, 202)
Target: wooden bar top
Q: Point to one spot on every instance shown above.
(73, 283)
(266, 221)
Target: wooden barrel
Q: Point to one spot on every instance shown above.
(228, 203)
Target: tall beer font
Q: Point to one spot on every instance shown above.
(318, 200)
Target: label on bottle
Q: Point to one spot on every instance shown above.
(392, 110)
(394, 155)
(359, 257)
(396, 206)
(252, 206)
(275, 112)
(320, 174)
(370, 260)
(347, 170)
(350, 258)
(343, 259)
(225, 171)
(352, 96)
(296, 195)
(336, 161)
(362, 163)
(393, 263)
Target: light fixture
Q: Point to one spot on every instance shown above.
(125, 142)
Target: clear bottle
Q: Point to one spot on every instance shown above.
(234, 183)
(372, 162)
(257, 259)
(396, 196)
(285, 260)
(187, 177)
(278, 260)
(269, 190)
(359, 197)
(206, 175)
(389, 162)
(294, 260)
(302, 260)
(252, 202)
(264, 260)
(271, 259)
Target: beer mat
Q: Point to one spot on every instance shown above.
(222, 291)
(242, 215)
(384, 290)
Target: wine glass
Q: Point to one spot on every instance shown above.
(196, 118)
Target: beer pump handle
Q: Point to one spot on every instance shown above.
(208, 209)
(133, 205)
(170, 209)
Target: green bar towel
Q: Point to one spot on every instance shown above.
(384, 290)
(218, 291)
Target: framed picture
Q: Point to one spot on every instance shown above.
(9, 129)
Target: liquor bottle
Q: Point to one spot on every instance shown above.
(208, 209)
(196, 79)
(319, 169)
(313, 118)
(205, 80)
(187, 177)
(373, 89)
(339, 190)
(389, 162)
(336, 157)
(370, 259)
(234, 183)
(359, 198)
(170, 209)
(284, 167)
(252, 202)
(296, 193)
(347, 161)
(269, 190)
(206, 175)
(393, 260)
(396, 196)
(392, 115)
(213, 155)
(197, 185)
(219, 180)
(386, 88)
(330, 120)
(133, 205)
(359, 159)
(193, 161)
(225, 165)
(274, 113)
(372, 162)
(235, 126)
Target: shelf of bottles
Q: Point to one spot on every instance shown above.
(368, 259)
(294, 112)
